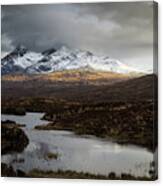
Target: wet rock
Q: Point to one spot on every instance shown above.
(20, 173)
(7, 171)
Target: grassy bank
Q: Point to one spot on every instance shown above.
(68, 174)
(123, 122)
(81, 175)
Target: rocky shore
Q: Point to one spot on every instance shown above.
(13, 139)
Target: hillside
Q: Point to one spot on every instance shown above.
(71, 76)
(101, 89)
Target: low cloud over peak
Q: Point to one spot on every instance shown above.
(121, 30)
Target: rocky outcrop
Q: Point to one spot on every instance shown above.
(13, 138)
(8, 171)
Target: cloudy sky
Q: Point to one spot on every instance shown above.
(119, 30)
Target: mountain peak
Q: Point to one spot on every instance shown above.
(20, 50)
(49, 51)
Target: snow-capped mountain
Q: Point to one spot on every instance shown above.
(23, 61)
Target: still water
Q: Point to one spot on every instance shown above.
(79, 153)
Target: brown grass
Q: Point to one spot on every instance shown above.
(68, 76)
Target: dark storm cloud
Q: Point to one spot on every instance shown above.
(120, 30)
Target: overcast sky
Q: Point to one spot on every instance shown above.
(119, 30)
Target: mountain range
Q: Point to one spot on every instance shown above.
(23, 61)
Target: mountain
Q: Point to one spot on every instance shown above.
(21, 60)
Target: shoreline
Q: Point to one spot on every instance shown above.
(124, 123)
(8, 171)
(107, 138)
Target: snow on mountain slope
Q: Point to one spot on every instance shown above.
(24, 61)
(28, 59)
(19, 60)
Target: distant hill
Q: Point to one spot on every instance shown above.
(140, 88)
(102, 88)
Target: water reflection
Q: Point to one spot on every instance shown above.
(80, 153)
